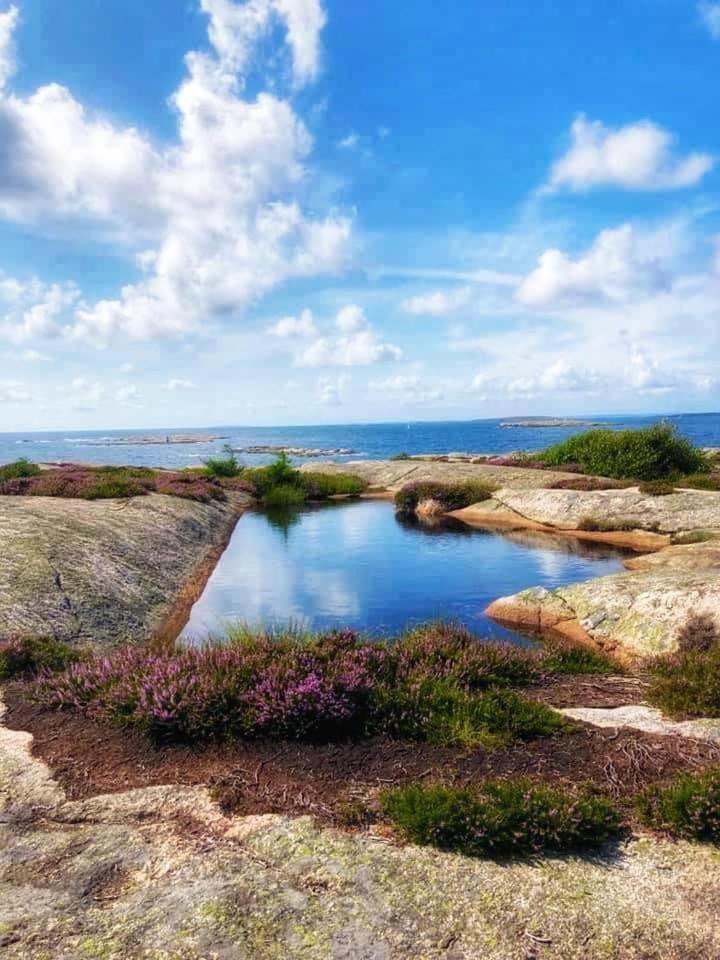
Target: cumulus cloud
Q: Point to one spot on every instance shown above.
(438, 303)
(301, 326)
(331, 391)
(406, 388)
(32, 310)
(710, 14)
(12, 391)
(128, 395)
(639, 156)
(178, 384)
(356, 344)
(8, 23)
(621, 263)
(213, 218)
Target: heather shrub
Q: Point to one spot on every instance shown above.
(701, 481)
(518, 460)
(657, 488)
(188, 487)
(654, 453)
(687, 684)
(451, 496)
(18, 469)
(502, 818)
(688, 807)
(568, 658)
(32, 655)
(598, 525)
(589, 484)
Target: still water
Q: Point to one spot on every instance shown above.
(359, 565)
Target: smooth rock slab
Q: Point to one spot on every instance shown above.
(647, 720)
(102, 571)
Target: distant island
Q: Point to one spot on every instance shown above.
(151, 441)
(551, 422)
(296, 451)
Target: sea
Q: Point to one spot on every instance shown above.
(371, 441)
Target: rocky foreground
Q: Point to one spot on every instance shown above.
(161, 874)
(106, 571)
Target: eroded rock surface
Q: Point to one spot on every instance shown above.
(102, 571)
(160, 874)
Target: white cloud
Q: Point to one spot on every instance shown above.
(438, 303)
(349, 142)
(301, 326)
(128, 395)
(406, 388)
(213, 220)
(11, 391)
(356, 345)
(178, 384)
(331, 391)
(638, 156)
(32, 310)
(236, 28)
(710, 13)
(620, 263)
(8, 22)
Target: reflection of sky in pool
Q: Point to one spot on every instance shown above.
(358, 565)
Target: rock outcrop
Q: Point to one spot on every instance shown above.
(161, 874)
(105, 571)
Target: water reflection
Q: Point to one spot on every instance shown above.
(358, 565)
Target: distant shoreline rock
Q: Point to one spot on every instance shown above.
(552, 422)
(296, 451)
(151, 441)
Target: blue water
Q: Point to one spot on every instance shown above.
(359, 565)
(370, 441)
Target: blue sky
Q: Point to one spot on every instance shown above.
(295, 211)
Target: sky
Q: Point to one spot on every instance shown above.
(321, 211)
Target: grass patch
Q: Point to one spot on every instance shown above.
(694, 536)
(450, 496)
(284, 496)
(687, 685)
(701, 481)
(18, 469)
(503, 818)
(598, 525)
(657, 488)
(322, 486)
(590, 484)
(654, 453)
(31, 656)
(687, 808)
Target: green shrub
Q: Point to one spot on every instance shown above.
(688, 807)
(18, 469)
(654, 453)
(701, 481)
(693, 536)
(502, 818)
(227, 466)
(687, 684)
(567, 658)
(401, 456)
(438, 711)
(30, 656)
(597, 525)
(657, 488)
(451, 496)
(321, 486)
(283, 496)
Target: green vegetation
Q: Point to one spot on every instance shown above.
(18, 469)
(283, 497)
(700, 481)
(502, 818)
(657, 488)
(322, 486)
(227, 466)
(654, 453)
(688, 807)
(597, 525)
(694, 536)
(687, 684)
(30, 656)
(568, 658)
(281, 485)
(450, 496)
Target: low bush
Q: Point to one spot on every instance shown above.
(451, 496)
(701, 481)
(589, 484)
(322, 486)
(296, 686)
(18, 469)
(566, 658)
(401, 456)
(657, 488)
(517, 460)
(687, 684)
(693, 536)
(688, 807)
(654, 453)
(502, 818)
(283, 496)
(34, 655)
(598, 525)
(226, 466)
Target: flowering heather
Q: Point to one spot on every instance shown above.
(435, 683)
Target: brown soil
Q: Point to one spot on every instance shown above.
(339, 783)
